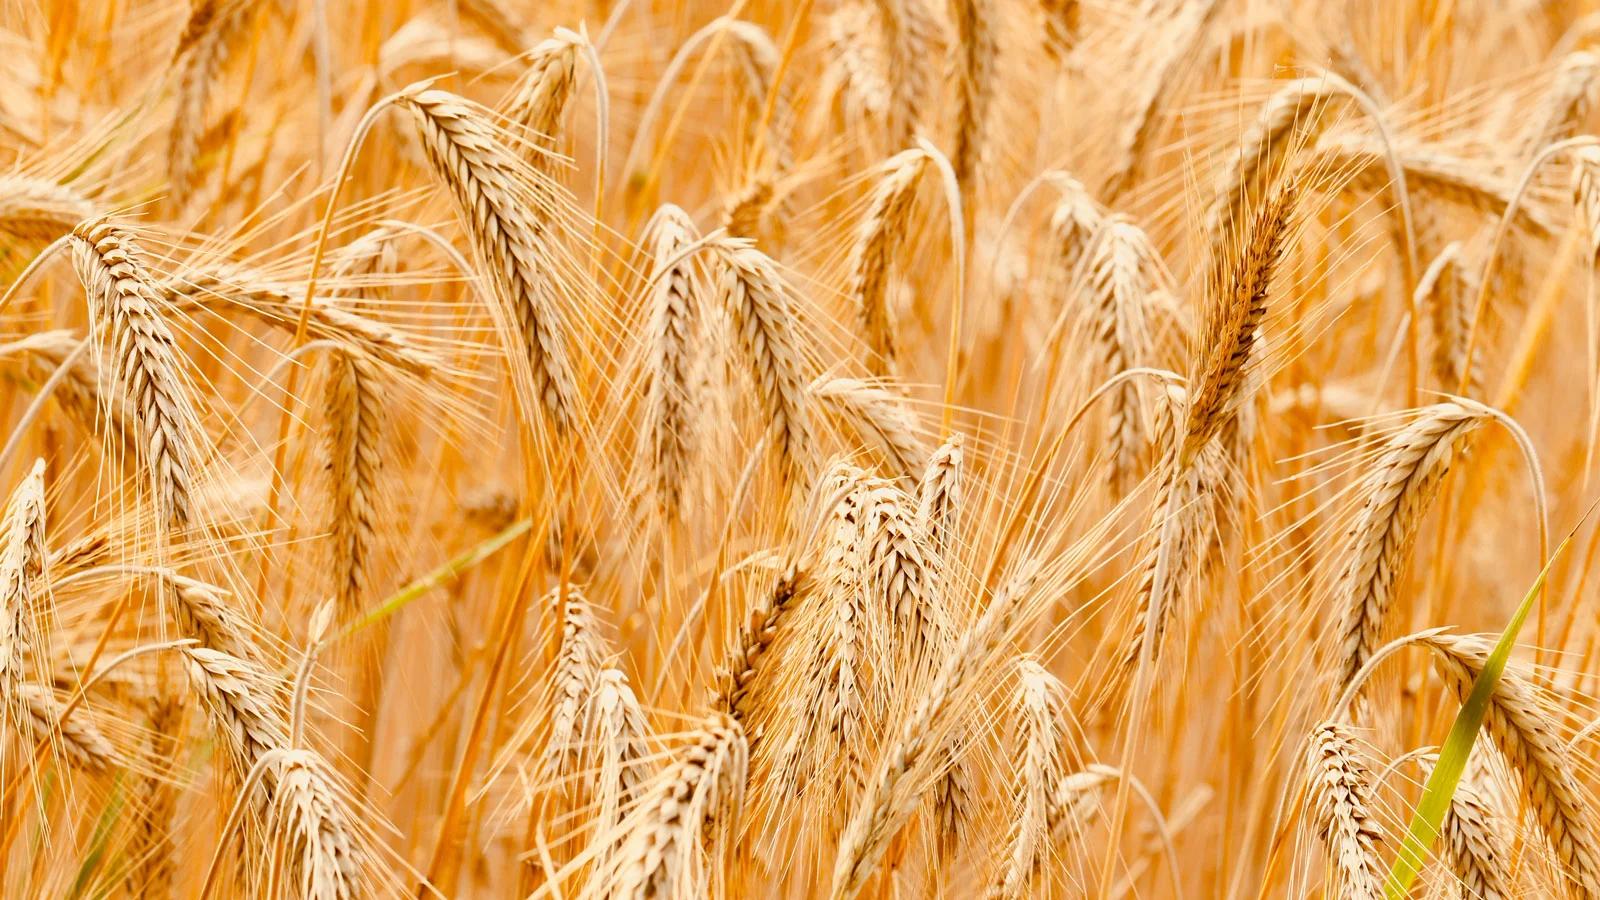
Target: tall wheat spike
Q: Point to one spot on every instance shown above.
(1341, 806)
(881, 227)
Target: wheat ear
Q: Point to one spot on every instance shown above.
(910, 34)
(1040, 704)
(759, 306)
(977, 50)
(939, 495)
(354, 409)
(1121, 277)
(1471, 841)
(741, 665)
(1566, 105)
(1293, 113)
(879, 414)
(510, 242)
(150, 874)
(33, 209)
(540, 97)
(1527, 737)
(1586, 194)
(878, 233)
(145, 361)
(699, 794)
(670, 397)
(1396, 494)
(22, 562)
(1341, 802)
(578, 662)
(203, 50)
(310, 820)
(78, 737)
(497, 22)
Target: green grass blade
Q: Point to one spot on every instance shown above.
(451, 569)
(1441, 785)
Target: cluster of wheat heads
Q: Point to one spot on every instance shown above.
(854, 448)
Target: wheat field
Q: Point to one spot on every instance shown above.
(799, 449)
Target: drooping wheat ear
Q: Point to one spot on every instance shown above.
(144, 361)
(539, 99)
(758, 59)
(912, 756)
(1363, 165)
(1183, 513)
(39, 211)
(497, 22)
(37, 357)
(1153, 91)
(910, 36)
(240, 704)
(311, 820)
(1586, 194)
(670, 408)
(939, 495)
(352, 402)
(22, 564)
(1471, 841)
(1396, 493)
(280, 305)
(1238, 291)
(731, 693)
(1060, 27)
(150, 871)
(1041, 705)
(1528, 738)
(1121, 276)
(878, 414)
(742, 213)
(1566, 105)
(759, 307)
(77, 735)
(202, 612)
(855, 79)
(977, 48)
(1294, 113)
(691, 801)
(1073, 225)
(841, 667)
(1340, 798)
(880, 231)
(900, 575)
(1075, 799)
(578, 661)
(203, 50)
(509, 240)
(1445, 292)
(618, 735)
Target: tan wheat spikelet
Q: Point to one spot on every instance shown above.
(1239, 289)
(910, 37)
(1586, 194)
(855, 82)
(497, 22)
(1396, 494)
(37, 210)
(742, 660)
(239, 699)
(1471, 840)
(670, 428)
(37, 357)
(907, 763)
(880, 230)
(617, 733)
(879, 414)
(578, 662)
(1566, 105)
(78, 737)
(1121, 269)
(1527, 736)
(22, 561)
(144, 361)
(744, 210)
(1073, 225)
(353, 405)
(759, 307)
(1074, 799)
(1041, 703)
(977, 49)
(939, 494)
(1293, 113)
(540, 97)
(280, 306)
(310, 819)
(510, 242)
(202, 52)
(1341, 805)
(1446, 291)
(692, 800)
